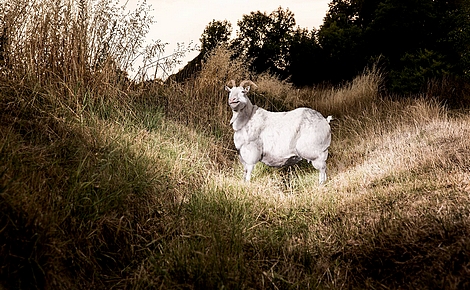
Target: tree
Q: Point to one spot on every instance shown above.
(341, 40)
(458, 36)
(306, 58)
(417, 69)
(266, 40)
(215, 33)
(417, 40)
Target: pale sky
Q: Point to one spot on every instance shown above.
(183, 21)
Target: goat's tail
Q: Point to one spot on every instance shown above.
(329, 118)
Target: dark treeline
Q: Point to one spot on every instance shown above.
(415, 42)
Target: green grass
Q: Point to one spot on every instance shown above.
(111, 184)
(130, 197)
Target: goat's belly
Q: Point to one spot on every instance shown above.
(277, 161)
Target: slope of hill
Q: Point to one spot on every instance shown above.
(146, 191)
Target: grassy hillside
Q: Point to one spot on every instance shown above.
(107, 183)
(146, 192)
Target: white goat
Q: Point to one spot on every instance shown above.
(277, 138)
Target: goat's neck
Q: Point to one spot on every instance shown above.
(240, 118)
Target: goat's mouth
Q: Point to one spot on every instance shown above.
(234, 103)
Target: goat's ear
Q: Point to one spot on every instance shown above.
(227, 89)
(246, 90)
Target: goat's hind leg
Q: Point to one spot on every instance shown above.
(320, 164)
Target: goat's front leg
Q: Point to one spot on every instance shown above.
(248, 170)
(249, 156)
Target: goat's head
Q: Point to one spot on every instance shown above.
(237, 98)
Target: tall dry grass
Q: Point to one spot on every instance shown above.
(202, 100)
(139, 187)
(77, 52)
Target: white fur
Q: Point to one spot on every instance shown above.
(278, 138)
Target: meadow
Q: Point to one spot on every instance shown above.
(111, 184)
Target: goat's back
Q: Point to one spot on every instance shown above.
(302, 132)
